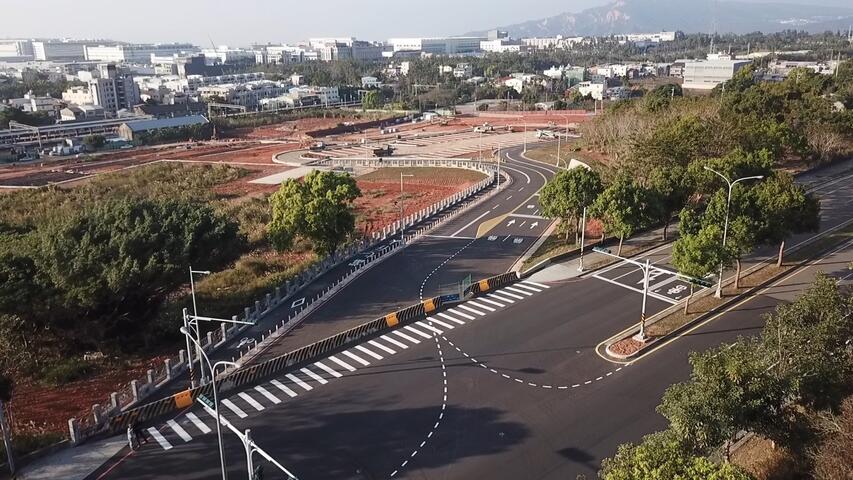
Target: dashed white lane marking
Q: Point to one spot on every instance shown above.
(251, 401)
(342, 363)
(528, 287)
(523, 381)
(473, 310)
(416, 331)
(327, 369)
(293, 378)
(382, 347)
(369, 352)
(507, 300)
(448, 317)
(480, 305)
(440, 323)
(314, 376)
(406, 337)
(179, 430)
(269, 396)
(159, 438)
(198, 423)
(284, 388)
(535, 284)
(460, 314)
(394, 342)
(234, 408)
(516, 290)
(356, 358)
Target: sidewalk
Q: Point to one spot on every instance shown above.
(75, 463)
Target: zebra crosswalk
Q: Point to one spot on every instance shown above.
(184, 428)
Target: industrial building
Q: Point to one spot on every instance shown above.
(130, 131)
(707, 74)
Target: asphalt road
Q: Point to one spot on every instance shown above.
(507, 386)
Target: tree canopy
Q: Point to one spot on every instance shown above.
(622, 207)
(568, 193)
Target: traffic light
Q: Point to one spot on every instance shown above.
(605, 251)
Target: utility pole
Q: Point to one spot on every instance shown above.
(583, 238)
(402, 220)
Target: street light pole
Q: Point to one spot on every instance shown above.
(583, 238)
(402, 221)
(195, 314)
(731, 184)
(215, 398)
(525, 137)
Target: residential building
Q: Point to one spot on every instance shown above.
(707, 74)
(131, 130)
(370, 82)
(78, 113)
(327, 95)
(137, 53)
(59, 50)
(247, 94)
(115, 89)
(34, 104)
(78, 95)
(596, 90)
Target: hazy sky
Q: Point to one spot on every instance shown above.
(242, 22)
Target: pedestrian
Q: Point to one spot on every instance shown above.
(131, 436)
(140, 435)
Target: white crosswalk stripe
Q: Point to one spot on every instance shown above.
(473, 310)
(406, 337)
(528, 287)
(413, 329)
(511, 295)
(293, 378)
(375, 355)
(480, 305)
(516, 290)
(284, 388)
(327, 369)
(356, 358)
(234, 408)
(317, 378)
(198, 423)
(394, 342)
(429, 327)
(179, 430)
(342, 363)
(508, 300)
(448, 317)
(382, 347)
(491, 302)
(460, 314)
(535, 284)
(159, 438)
(439, 323)
(269, 396)
(251, 401)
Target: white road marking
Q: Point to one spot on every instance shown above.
(508, 300)
(651, 294)
(293, 378)
(179, 430)
(480, 305)
(440, 323)
(535, 284)
(491, 301)
(406, 337)
(448, 317)
(413, 329)
(472, 223)
(317, 378)
(509, 294)
(160, 438)
(266, 393)
(342, 363)
(513, 289)
(198, 423)
(430, 328)
(234, 408)
(392, 341)
(461, 314)
(372, 354)
(327, 369)
(528, 287)
(663, 283)
(251, 401)
(284, 388)
(356, 358)
(472, 310)
(382, 347)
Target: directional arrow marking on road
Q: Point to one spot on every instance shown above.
(534, 225)
(510, 223)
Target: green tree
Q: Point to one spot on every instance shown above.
(622, 207)
(372, 100)
(699, 254)
(94, 142)
(675, 142)
(736, 164)
(669, 190)
(319, 209)
(662, 456)
(567, 194)
(785, 208)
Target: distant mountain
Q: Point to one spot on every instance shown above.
(690, 16)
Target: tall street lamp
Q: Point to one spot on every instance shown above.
(402, 221)
(731, 185)
(190, 360)
(213, 369)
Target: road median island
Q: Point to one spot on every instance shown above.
(624, 347)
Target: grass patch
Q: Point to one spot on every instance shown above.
(68, 370)
(29, 441)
